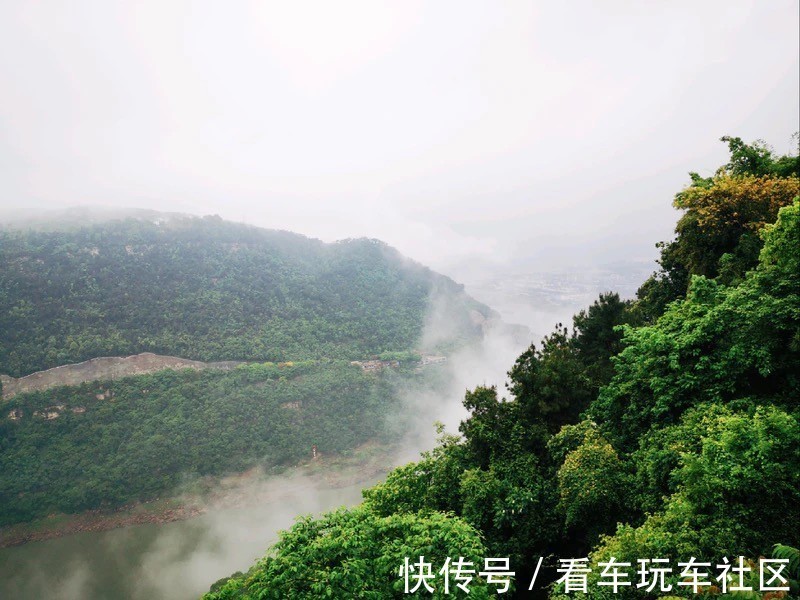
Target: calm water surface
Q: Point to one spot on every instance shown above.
(177, 560)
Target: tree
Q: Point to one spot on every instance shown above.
(759, 159)
(717, 234)
(598, 336)
(719, 344)
(721, 216)
(355, 553)
(591, 483)
(551, 384)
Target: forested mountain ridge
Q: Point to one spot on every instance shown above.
(207, 289)
(662, 427)
(282, 314)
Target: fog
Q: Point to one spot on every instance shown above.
(180, 560)
(551, 135)
(528, 150)
(174, 561)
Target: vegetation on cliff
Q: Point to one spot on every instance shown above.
(295, 309)
(666, 426)
(211, 290)
(106, 443)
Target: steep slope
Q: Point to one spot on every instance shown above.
(103, 444)
(665, 426)
(211, 290)
(280, 315)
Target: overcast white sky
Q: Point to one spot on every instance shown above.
(557, 132)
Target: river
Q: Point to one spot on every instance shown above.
(180, 560)
(176, 561)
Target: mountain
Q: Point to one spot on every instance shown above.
(211, 290)
(252, 348)
(662, 428)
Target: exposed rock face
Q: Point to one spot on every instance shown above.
(108, 367)
(375, 365)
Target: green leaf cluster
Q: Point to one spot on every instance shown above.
(667, 427)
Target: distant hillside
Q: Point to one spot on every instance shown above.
(211, 290)
(103, 444)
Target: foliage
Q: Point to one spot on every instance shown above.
(759, 159)
(665, 427)
(357, 553)
(148, 433)
(598, 336)
(717, 234)
(554, 384)
(432, 482)
(690, 449)
(591, 483)
(403, 357)
(550, 383)
(721, 216)
(505, 491)
(718, 344)
(730, 497)
(210, 290)
(791, 554)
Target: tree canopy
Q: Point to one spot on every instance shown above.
(211, 290)
(667, 426)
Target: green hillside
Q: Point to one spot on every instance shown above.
(666, 427)
(210, 290)
(295, 310)
(106, 443)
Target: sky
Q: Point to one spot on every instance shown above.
(543, 134)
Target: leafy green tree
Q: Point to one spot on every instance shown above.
(717, 234)
(726, 213)
(732, 496)
(598, 336)
(551, 384)
(591, 481)
(759, 159)
(356, 553)
(719, 344)
(432, 483)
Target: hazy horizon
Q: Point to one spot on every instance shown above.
(460, 133)
(530, 151)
